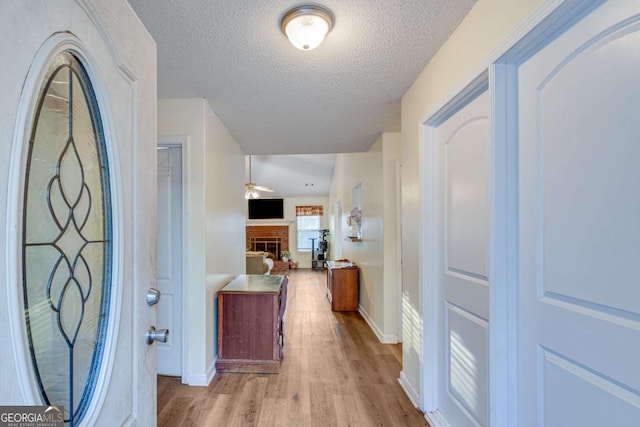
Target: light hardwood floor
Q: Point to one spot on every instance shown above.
(334, 372)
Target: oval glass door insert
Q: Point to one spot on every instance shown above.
(67, 241)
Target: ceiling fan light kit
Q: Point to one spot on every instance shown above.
(306, 26)
(251, 194)
(251, 189)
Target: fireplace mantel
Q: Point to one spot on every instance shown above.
(269, 222)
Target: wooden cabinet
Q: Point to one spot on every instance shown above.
(342, 285)
(250, 324)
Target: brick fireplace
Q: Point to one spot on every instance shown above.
(268, 238)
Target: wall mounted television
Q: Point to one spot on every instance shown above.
(266, 208)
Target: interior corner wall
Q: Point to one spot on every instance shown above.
(213, 255)
(349, 171)
(225, 220)
(488, 23)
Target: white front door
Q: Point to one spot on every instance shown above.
(463, 287)
(579, 224)
(170, 258)
(77, 172)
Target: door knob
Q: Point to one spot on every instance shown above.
(160, 335)
(153, 296)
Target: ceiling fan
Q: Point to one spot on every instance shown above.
(251, 189)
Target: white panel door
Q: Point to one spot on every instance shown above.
(464, 164)
(170, 258)
(111, 45)
(579, 224)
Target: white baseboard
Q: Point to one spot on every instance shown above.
(384, 339)
(203, 379)
(211, 372)
(409, 390)
(435, 419)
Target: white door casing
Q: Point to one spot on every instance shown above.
(579, 239)
(119, 57)
(170, 257)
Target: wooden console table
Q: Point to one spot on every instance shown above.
(250, 324)
(342, 285)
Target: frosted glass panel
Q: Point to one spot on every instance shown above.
(67, 239)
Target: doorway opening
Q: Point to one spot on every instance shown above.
(171, 255)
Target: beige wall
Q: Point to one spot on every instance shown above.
(391, 154)
(215, 185)
(225, 219)
(349, 171)
(482, 30)
(376, 254)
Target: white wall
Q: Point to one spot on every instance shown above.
(215, 186)
(487, 24)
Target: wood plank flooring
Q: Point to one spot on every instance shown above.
(335, 372)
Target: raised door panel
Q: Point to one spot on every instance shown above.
(464, 161)
(579, 296)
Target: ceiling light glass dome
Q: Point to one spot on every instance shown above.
(307, 26)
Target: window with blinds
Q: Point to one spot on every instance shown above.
(308, 221)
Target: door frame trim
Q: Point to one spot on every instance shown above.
(504, 217)
(497, 69)
(430, 259)
(183, 142)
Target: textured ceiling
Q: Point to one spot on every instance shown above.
(276, 99)
(293, 175)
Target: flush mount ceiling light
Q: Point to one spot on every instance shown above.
(307, 26)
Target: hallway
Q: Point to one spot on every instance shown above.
(335, 372)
